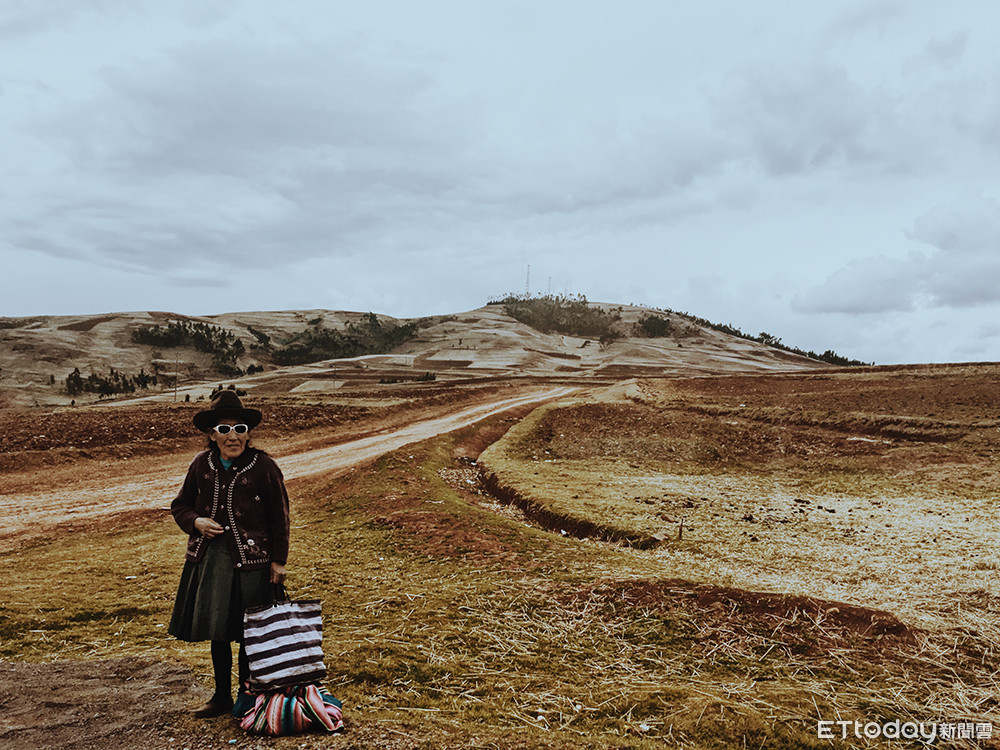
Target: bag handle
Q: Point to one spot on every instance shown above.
(278, 593)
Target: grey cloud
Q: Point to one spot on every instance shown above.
(242, 153)
(198, 282)
(21, 18)
(968, 285)
(960, 271)
(331, 148)
(872, 285)
(990, 331)
(818, 118)
(866, 17)
(969, 228)
(948, 49)
(963, 271)
(240, 107)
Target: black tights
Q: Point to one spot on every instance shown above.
(222, 665)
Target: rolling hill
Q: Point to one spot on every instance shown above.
(37, 354)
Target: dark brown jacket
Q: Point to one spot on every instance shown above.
(248, 500)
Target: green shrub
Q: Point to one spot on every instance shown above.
(114, 382)
(224, 346)
(654, 326)
(573, 316)
(263, 340)
(369, 336)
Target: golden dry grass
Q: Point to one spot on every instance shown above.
(450, 625)
(749, 489)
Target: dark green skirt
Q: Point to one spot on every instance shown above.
(212, 595)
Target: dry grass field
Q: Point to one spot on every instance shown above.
(853, 512)
(713, 562)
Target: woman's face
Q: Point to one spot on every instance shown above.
(232, 444)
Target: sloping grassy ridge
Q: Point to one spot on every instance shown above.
(516, 471)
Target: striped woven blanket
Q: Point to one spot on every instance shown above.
(289, 710)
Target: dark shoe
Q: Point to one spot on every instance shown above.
(212, 708)
(244, 703)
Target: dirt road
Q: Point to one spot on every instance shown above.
(338, 458)
(102, 491)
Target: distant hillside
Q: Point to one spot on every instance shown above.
(575, 316)
(49, 360)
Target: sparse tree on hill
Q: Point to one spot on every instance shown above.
(74, 382)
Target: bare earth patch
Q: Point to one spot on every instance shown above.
(116, 704)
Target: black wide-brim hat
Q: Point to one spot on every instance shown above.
(226, 405)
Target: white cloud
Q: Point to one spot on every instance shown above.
(963, 271)
(20, 18)
(237, 152)
(870, 17)
(808, 121)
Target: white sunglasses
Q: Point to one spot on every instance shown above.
(223, 429)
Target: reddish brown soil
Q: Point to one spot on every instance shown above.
(964, 394)
(430, 528)
(86, 325)
(804, 624)
(87, 698)
(159, 427)
(894, 420)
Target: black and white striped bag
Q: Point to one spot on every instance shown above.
(284, 643)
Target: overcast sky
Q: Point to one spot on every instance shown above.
(826, 172)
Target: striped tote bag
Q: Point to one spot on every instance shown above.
(284, 643)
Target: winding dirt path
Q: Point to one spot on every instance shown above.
(111, 491)
(339, 458)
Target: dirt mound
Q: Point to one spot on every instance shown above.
(804, 624)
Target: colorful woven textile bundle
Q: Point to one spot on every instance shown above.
(289, 710)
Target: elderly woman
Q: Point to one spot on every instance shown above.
(234, 509)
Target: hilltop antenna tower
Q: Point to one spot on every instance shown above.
(527, 282)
